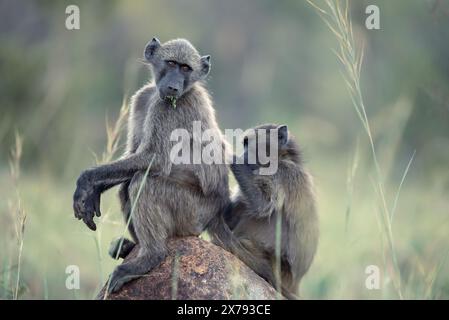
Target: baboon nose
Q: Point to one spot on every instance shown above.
(172, 90)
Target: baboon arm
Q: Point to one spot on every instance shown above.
(86, 200)
(104, 186)
(258, 203)
(117, 172)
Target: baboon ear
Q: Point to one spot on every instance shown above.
(205, 65)
(283, 134)
(151, 48)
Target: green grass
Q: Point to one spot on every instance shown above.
(55, 239)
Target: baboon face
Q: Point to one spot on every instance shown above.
(177, 65)
(259, 146)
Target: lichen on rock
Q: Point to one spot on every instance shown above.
(195, 270)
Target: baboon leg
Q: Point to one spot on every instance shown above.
(255, 257)
(135, 268)
(125, 203)
(152, 222)
(290, 283)
(263, 268)
(120, 248)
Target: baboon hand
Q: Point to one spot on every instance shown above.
(241, 164)
(86, 200)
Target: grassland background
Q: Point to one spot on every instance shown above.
(272, 62)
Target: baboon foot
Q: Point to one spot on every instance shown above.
(134, 268)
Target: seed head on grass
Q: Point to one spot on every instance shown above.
(336, 17)
(114, 133)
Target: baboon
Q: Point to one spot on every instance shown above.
(175, 199)
(261, 200)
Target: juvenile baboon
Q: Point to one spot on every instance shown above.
(259, 203)
(175, 199)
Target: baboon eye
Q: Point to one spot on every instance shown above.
(171, 63)
(185, 68)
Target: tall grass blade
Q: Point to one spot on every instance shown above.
(396, 198)
(278, 243)
(340, 24)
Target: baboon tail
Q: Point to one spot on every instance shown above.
(288, 294)
(242, 248)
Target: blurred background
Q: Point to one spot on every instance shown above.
(272, 61)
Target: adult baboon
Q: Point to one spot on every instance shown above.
(175, 200)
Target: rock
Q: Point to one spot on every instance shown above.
(194, 270)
